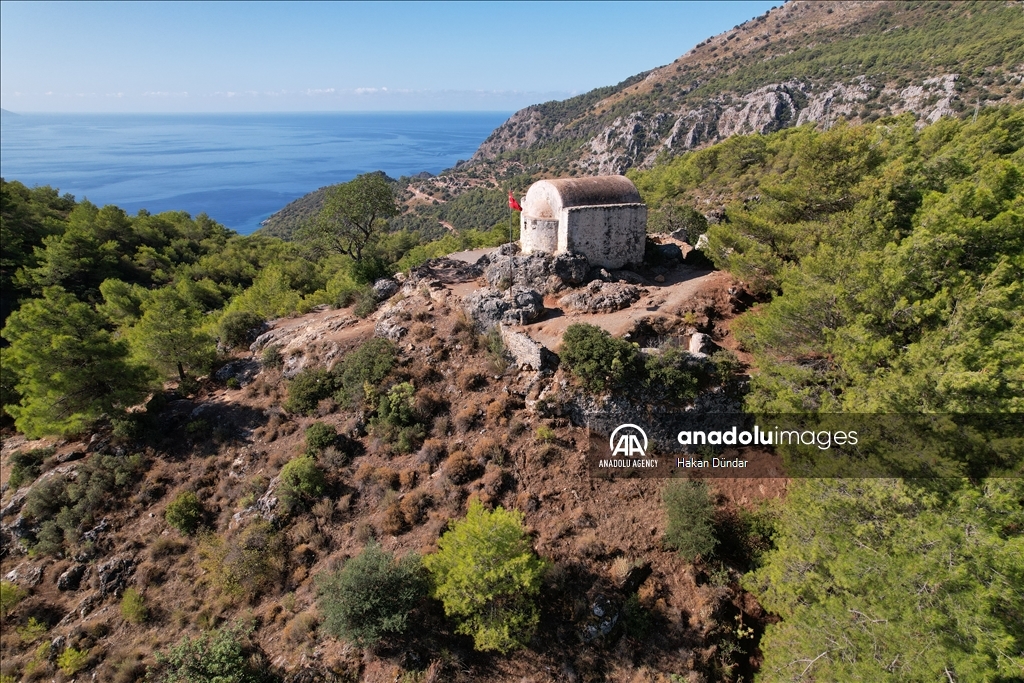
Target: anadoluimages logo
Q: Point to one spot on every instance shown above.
(628, 444)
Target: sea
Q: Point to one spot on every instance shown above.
(237, 168)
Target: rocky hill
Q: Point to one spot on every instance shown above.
(485, 426)
(804, 62)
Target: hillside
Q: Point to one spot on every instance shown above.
(251, 437)
(804, 62)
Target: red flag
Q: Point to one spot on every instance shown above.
(512, 203)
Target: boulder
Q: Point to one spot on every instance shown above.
(700, 345)
(384, 288)
(601, 297)
(542, 272)
(113, 574)
(668, 252)
(71, 579)
(488, 307)
(681, 234)
(571, 268)
(243, 370)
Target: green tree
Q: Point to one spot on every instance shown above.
(691, 517)
(69, 369)
(883, 579)
(168, 335)
(353, 215)
(488, 577)
(370, 598)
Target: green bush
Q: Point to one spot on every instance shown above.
(690, 512)
(185, 512)
(237, 327)
(10, 595)
(223, 656)
(597, 359)
(487, 577)
(396, 421)
(71, 661)
(26, 466)
(675, 373)
(302, 481)
(320, 436)
(64, 507)
(371, 597)
(307, 389)
(271, 357)
(133, 606)
(366, 366)
(248, 562)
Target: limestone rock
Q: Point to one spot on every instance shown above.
(571, 268)
(244, 370)
(71, 578)
(384, 288)
(601, 297)
(700, 345)
(489, 307)
(114, 573)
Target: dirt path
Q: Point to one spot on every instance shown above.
(681, 285)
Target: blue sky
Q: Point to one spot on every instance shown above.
(230, 57)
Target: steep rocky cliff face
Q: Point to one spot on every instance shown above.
(805, 62)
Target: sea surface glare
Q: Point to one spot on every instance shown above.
(238, 168)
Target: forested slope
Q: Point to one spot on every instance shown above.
(891, 262)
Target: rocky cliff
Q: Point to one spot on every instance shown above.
(805, 62)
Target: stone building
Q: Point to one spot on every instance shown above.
(602, 218)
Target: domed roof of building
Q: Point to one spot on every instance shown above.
(546, 198)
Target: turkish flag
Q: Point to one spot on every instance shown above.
(512, 203)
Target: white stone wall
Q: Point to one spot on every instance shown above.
(538, 234)
(610, 236)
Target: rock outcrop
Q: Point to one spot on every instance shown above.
(600, 297)
(489, 307)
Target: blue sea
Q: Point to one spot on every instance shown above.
(238, 168)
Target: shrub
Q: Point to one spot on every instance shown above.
(302, 481)
(10, 595)
(690, 513)
(133, 606)
(396, 422)
(272, 357)
(371, 597)
(487, 577)
(368, 365)
(238, 328)
(597, 359)
(71, 661)
(307, 389)
(185, 513)
(675, 373)
(26, 466)
(223, 656)
(247, 563)
(462, 467)
(65, 506)
(319, 437)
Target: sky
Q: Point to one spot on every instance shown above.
(265, 56)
